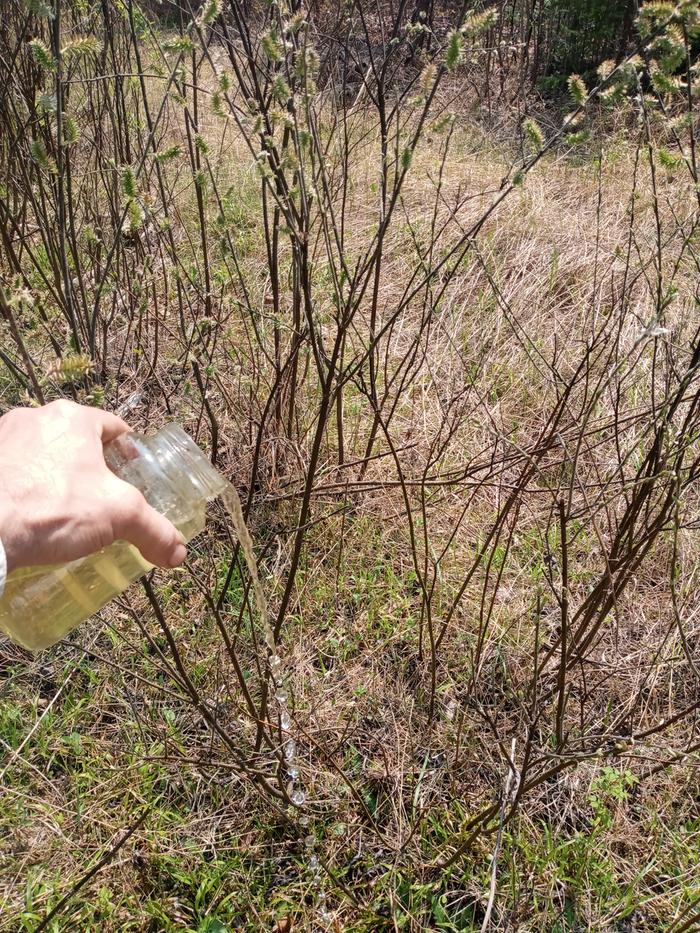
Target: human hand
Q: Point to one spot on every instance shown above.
(58, 499)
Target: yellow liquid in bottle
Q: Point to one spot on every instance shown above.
(40, 605)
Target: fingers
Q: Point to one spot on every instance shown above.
(134, 520)
(109, 425)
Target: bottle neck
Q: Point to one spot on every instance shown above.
(168, 467)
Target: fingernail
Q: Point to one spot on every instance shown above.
(178, 554)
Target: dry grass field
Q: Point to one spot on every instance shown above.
(452, 370)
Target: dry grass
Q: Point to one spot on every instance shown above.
(400, 747)
(99, 730)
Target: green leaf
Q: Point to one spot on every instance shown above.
(427, 78)
(669, 160)
(135, 215)
(453, 55)
(210, 12)
(71, 132)
(272, 46)
(129, 182)
(652, 11)
(606, 68)
(71, 368)
(40, 8)
(664, 83)
(41, 156)
(534, 134)
(46, 104)
(42, 55)
(217, 105)
(179, 44)
(212, 925)
(166, 155)
(476, 23)
(577, 89)
(280, 90)
(80, 47)
(576, 139)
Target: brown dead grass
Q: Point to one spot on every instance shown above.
(555, 253)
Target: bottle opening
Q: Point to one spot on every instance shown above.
(178, 452)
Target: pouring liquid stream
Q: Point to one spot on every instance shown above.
(232, 503)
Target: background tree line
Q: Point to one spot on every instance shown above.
(542, 41)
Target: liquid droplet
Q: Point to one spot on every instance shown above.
(298, 798)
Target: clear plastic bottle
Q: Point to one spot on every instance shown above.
(40, 605)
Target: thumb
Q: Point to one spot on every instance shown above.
(137, 522)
